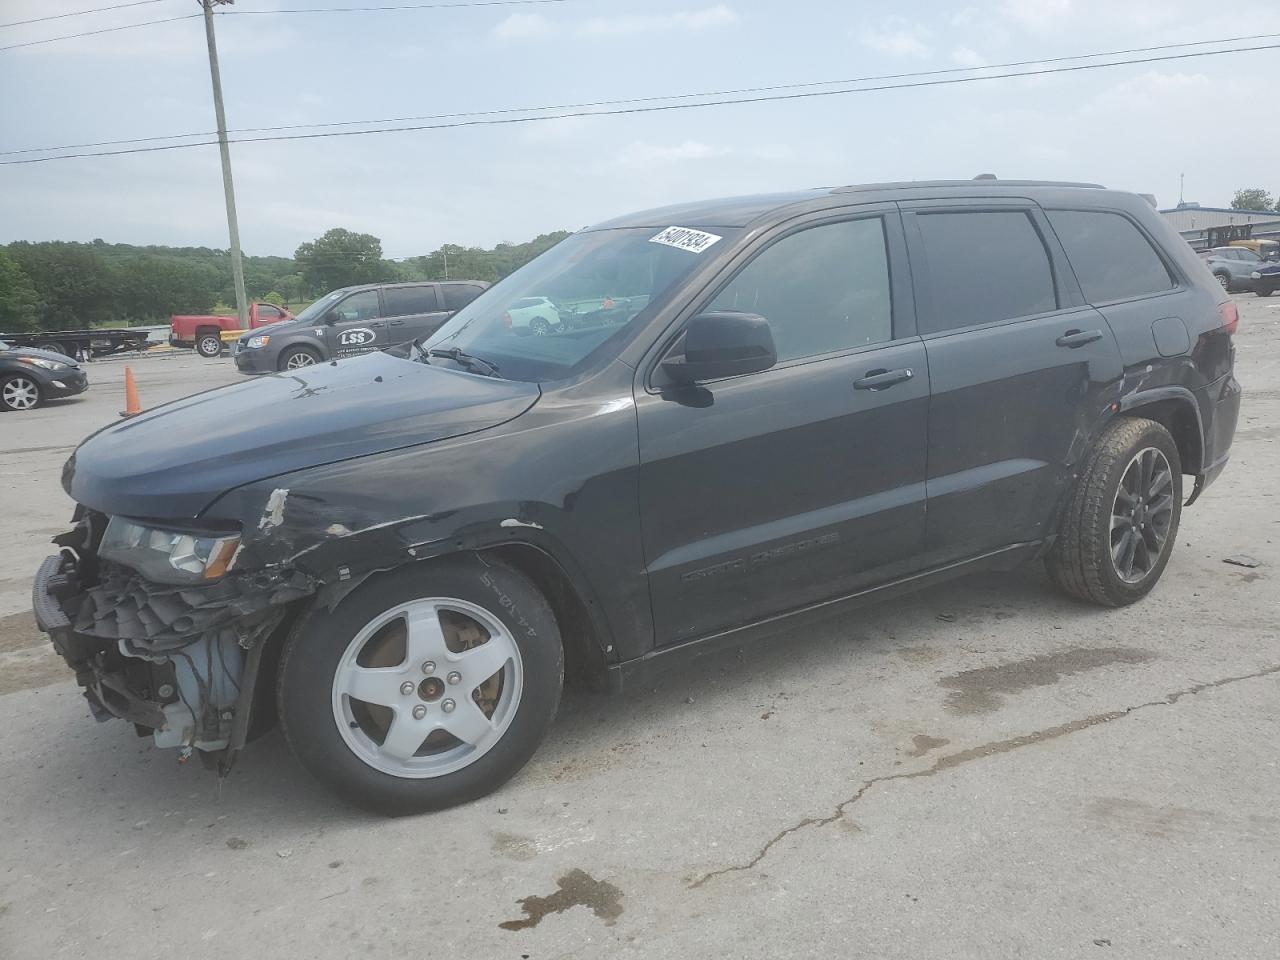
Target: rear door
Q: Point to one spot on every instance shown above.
(354, 325)
(1018, 366)
(412, 312)
(772, 491)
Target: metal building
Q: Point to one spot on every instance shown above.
(1205, 227)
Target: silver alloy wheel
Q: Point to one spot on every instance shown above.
(299, 358)
(540, 327)
(1141, 515)
(209, 346)
(1224, 280)
(21, 393)
(424, 716)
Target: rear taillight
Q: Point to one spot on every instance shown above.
(1230, 316)
(506, 320)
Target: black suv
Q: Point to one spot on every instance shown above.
(764, 407)
(351, 321)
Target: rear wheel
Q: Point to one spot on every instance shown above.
(19, 393)
(209, 345)
(1224, 280)
(539, 327)
(427, 687)
(296, 357)
(1121, 522)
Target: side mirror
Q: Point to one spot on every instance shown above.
(724, 343)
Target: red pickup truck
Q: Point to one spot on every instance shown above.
(205, 333)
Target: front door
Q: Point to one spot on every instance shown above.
(772, 491)
(355, 325)
(1017, 364)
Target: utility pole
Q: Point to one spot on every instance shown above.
(233, 226)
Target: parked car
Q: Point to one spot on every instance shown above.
(533, 315)
(355, 320)
(1233, 267)
(819, 399)
(1266, 278)
(29, 377)
(204, 333)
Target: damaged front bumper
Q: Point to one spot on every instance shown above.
(179, 662)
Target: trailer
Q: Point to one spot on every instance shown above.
(81, 344)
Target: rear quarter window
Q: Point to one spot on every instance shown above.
(1111, 257)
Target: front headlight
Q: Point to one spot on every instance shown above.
(169, 556)
(47, 364)
(258, 342)
(1255, 275)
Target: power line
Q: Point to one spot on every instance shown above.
(94, 33)
(79, 13)
(407, 6)
(497, 121)
(653, 99)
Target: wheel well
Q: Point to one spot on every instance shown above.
(1179, 418)
(584, 662)
(201, 331)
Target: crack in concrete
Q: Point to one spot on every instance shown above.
(950, 760)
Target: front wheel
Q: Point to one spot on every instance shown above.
(296, 357)
(427, 687)
(209, 346)
(1264, 291)
(1121, 522)
(19, 393)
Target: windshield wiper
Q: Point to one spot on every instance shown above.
(478, 364)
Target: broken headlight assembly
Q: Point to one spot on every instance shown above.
(169, 556)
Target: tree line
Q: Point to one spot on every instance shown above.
(1254, 198)
(60, 285)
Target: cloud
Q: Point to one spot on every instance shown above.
(528, 26)
(968, 57)
(642, 154)
(686, 20)
(898, 37)
(524, 26)
(1036, 14)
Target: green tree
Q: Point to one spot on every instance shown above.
(76, 286)
(274, 297)
(1252, 198)
(20, 305)
(340, 258)
(153, 288)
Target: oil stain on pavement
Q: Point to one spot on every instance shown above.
(978, 691)
(577, 889)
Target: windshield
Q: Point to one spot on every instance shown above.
(552, 316)
(318, 309)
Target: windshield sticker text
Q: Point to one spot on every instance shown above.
(695, 241)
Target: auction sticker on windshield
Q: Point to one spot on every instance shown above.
(695, 241)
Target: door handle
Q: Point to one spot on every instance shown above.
(1078, 338)
(880, 379)
(396, 323)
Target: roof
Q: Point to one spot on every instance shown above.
(741, 211)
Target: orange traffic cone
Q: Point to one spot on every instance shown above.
(131, 405)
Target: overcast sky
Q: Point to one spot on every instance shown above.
(1134, 127)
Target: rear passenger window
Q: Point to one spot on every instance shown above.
(406, 301)
(1111, 257)
(984, 267)
(823, 289)
(458, 295)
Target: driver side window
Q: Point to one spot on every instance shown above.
(823, 290)
(358, 307)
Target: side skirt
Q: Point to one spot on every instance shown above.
(637, 672)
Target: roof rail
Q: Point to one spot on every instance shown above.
(980, 181)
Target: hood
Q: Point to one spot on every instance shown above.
(13, 353)
(277, 328)
(173, 461)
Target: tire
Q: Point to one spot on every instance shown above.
(1224, 279)
(295, 357)
(209, 345)
(69, 350)
(1101, 520)
(365, 645)
(539, 327)
(1263, 291)
(19, 393)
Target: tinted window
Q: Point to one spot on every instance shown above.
(984, 267)
(402, 301)
(823, 289)
(458, 295)
(267, 312)
(1248, 255)
(358, 306)
(1111, 257)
